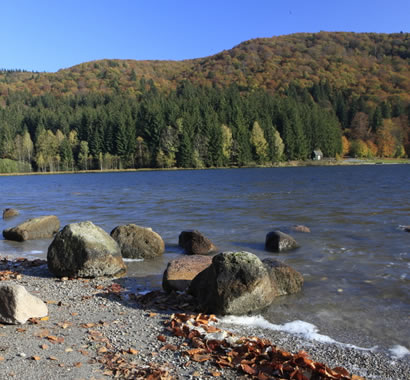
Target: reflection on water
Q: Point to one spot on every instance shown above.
(355, 262)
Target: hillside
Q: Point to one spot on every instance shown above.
(261, 102)
(366, 63)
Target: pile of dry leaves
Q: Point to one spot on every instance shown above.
(256, 357)
(10, 269)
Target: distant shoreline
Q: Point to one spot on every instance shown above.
(286, 164)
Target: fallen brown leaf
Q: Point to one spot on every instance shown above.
(87, 325)
(161, 338)
(200, 358)
(171, 347)
(64, 325)
(103, 349)
(36, 358)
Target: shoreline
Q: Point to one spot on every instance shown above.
(285, 164)
(95, 326)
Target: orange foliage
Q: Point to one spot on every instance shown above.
(386, 142)
(368, 63)
(372, 148)
(345, 146)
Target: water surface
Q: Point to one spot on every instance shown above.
(355, 261)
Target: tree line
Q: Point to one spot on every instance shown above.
(194, 126)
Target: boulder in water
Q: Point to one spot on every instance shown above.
(284, 279)
(84, 250)
(194, 243)
(138, 242)
(301, 228)
(277, 241)
(235, 283)
(43, 227)
(10, 213)
(180, 272)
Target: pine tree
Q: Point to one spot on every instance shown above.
(185, 152)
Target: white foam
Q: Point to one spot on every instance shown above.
(36, 252)
(399, 352)
(300, 328)
(131, 260)
(144, 292)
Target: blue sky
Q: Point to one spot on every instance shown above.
(47, 35)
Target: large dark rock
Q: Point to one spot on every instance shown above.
(9, 213)
(284, 279)
(43, 227)
(84, 250)
(180, 272)
(138, 242)
(194, 243)
(235, 283)
(277, 241)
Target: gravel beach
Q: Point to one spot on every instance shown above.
(99, 329)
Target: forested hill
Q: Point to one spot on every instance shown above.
(366, 63)
(265, 100)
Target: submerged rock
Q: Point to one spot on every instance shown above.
(181, 271)
(43, 227)
(84, 250)
(9, 213)
(138, 242)
(235, 283)
(194, 243)
(17, 305)
(301, 228)
(277, 241)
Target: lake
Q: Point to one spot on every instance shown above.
(355, 261)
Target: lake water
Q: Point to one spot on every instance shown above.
(356, 260)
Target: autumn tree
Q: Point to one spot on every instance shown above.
(83, 155)
(278, 147)
(226, 144)
(259, 143)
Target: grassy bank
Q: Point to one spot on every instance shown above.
(325, 162)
